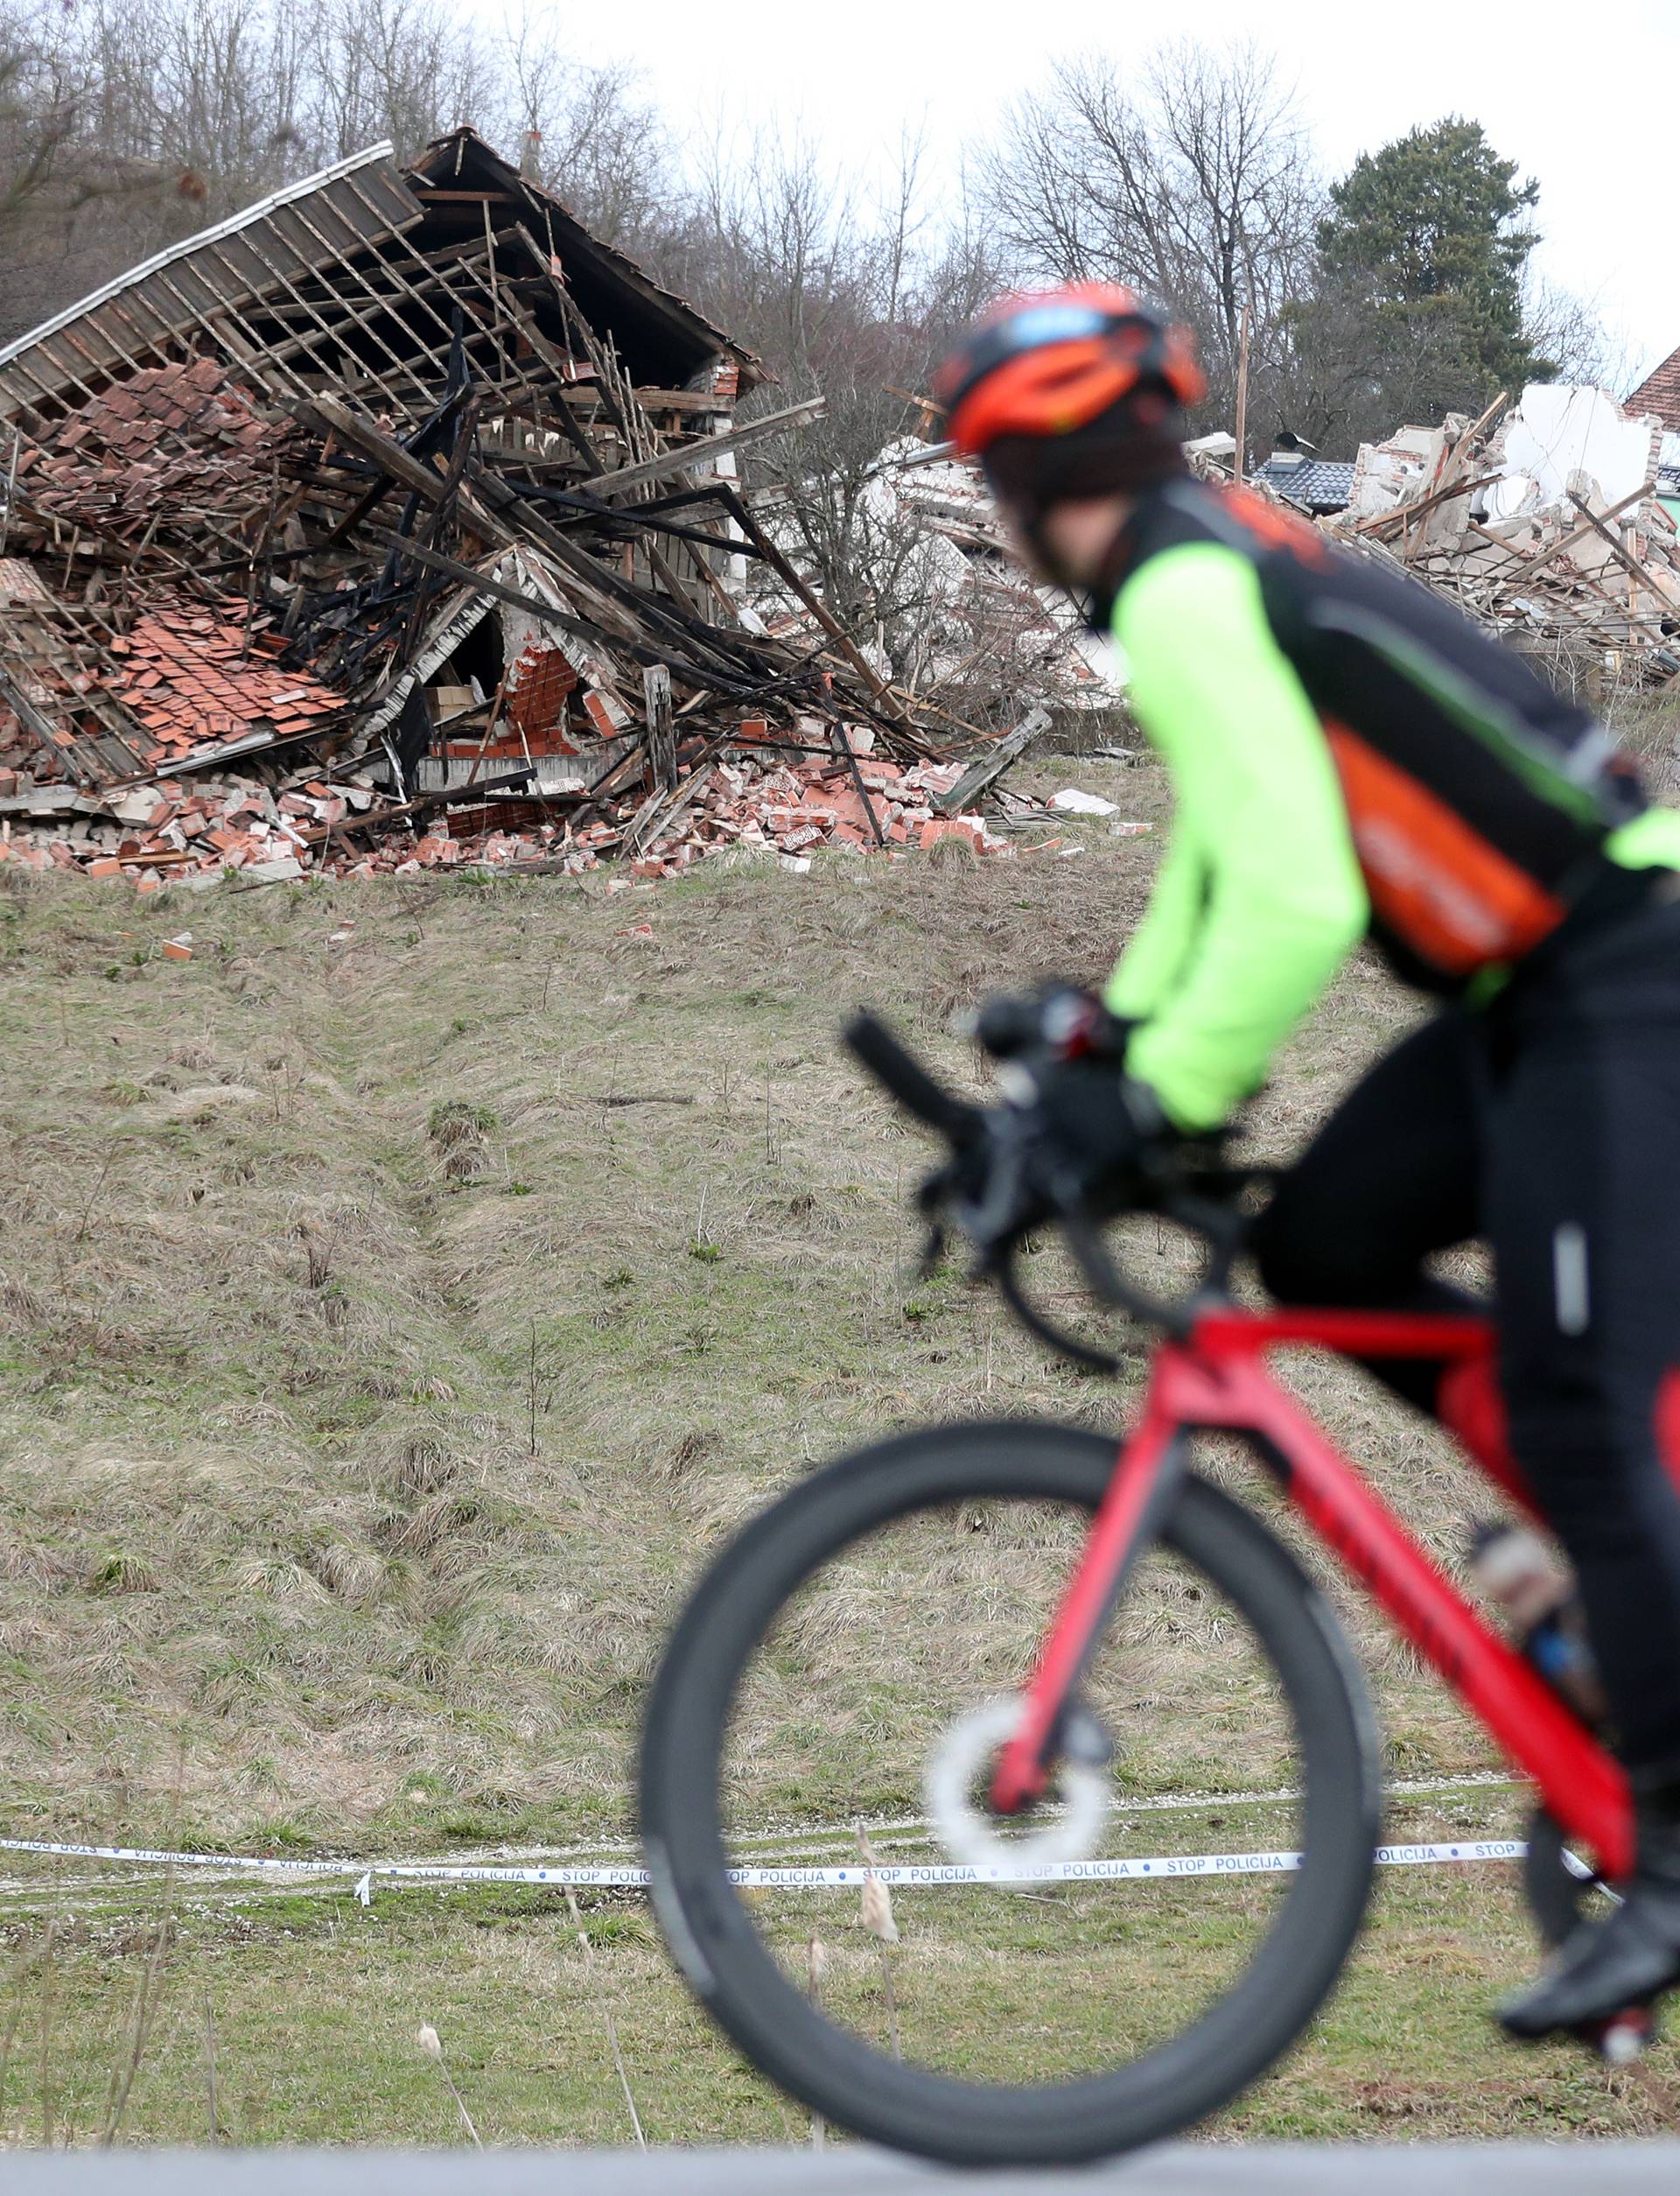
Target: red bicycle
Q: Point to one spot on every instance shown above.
(1022, 1657)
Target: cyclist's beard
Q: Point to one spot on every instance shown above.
(1046, 559)
(1028, 524)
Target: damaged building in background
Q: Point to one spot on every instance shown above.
(1551, 521)
(396, 521)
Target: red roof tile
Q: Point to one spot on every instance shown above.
(1660, 393)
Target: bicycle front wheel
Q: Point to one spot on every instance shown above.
(1008, 2008)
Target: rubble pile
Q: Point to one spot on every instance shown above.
(395, 523)
(196, 833)
(174, 444)
(1546, 519)
(986, 628)
(793, 809)
(187, 676)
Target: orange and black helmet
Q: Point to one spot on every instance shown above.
(1082, 364)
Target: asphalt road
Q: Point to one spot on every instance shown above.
(1493, 2169)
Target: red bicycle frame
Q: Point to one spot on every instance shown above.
(1216, 1376)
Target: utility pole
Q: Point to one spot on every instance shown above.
(1241, 398)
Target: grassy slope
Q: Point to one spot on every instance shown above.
(372, 1384)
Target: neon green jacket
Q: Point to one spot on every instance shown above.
(1347, 754)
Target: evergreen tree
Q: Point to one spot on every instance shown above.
(1427, 239)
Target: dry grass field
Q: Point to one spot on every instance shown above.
(401, 1297)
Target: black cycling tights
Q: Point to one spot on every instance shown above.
(1551, 1127)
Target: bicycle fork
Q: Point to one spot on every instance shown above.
(1147, 1477)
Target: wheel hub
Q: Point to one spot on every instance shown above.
(969, 1836)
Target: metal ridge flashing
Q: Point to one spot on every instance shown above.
(244, 218)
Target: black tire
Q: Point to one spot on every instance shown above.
(708, 1927)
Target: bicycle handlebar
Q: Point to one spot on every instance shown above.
(1202, 1203)
(873, 1046)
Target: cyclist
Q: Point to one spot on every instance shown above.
(1349, 757)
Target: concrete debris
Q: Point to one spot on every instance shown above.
(981, 629)
(396, 525)
(1551, 521)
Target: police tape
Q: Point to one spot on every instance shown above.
(1156, 1868)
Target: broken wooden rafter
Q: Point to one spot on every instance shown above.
(1625, 557)
(819, 609)
(682, 456)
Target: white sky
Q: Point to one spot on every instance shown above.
(1579, 95)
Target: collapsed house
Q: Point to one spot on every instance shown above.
(396, 521)
(1552, 521)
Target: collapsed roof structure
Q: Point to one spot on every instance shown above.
(398, 493)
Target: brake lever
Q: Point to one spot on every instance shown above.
(1007, 1206)
(1106, 1283)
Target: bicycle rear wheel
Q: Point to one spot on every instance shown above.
(1030, 2014)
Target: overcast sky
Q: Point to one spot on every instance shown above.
(1579, 95)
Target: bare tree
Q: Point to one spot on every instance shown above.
(778, 245)
(603, 147)
(210, 88)
(41, 94)
(1572, 334)
(1197, 187)
(856, 294)
(408, 70)
(74, 204)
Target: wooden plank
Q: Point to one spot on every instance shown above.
(681, 456)
(1529, 565)
(391, 458)
(987, 771)
(481, 583)
(587, 340)
(1240, 460)
(819, 609)
(661, 731)
(688, 401)
(858, 785)
(683, 640)
(659, 826)
(620, 525)
(556, 394)
(1457, 458)
(1403, 514)
(613, 780)
(1622, 552)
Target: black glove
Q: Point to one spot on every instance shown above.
(1060, 1020)
(1078, 1135)
(1101, 1135)
(1097, 1130)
